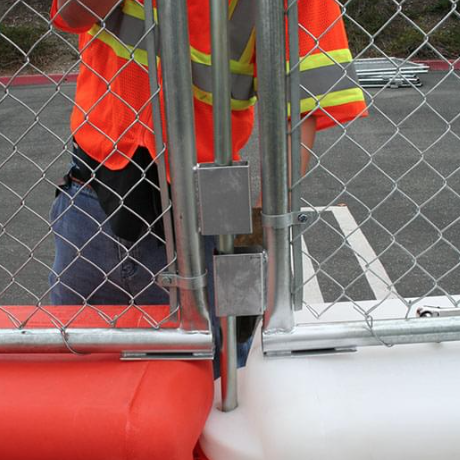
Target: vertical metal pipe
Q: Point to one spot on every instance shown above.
(221, 97)
(180, 122)
(221, 83)
(295, 150)
(228, 364)
(151, 48)
(271, 74)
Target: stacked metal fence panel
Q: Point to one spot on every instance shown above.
(392, 72)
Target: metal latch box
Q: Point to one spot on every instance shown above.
(225, 199)
(240, 282)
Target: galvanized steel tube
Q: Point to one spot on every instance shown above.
(221, 99)
(271, 76)
(343, 335)
(295, 150)
(151, 48)
(95, 340)
(177, 83)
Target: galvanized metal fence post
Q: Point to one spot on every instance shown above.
(176, 67)
(271, 73)
(295, 149)
(152, 48)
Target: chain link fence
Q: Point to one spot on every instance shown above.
(380, 200)
(383, 192)
(105, 276)
(381, 195)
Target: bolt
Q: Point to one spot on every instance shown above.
(424, 313)
(302, 218)
(167, 280)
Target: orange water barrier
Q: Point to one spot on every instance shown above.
(96, 407)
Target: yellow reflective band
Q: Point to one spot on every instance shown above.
(206, 97)
(120, 49)
(132, 8)
(313, 61)
(323, 59)
(330, 100)
(248, 53)
(231, 8)
(236, 67)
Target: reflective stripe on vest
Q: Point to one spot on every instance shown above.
(124, 32)
(326, 78)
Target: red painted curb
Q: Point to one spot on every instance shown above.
(28, 80)
(439, 64)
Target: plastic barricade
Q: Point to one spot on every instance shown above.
(75, 407)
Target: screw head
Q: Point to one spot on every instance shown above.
(426, 314)
(302, 218)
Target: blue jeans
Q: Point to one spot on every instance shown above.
(93, 265)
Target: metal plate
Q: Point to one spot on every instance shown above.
(240, 282)
(225, 199)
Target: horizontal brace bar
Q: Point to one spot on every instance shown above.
(303, 353)
(348, 335)
(287, 220)
(139, 356)
(172, 280)
(104, 341)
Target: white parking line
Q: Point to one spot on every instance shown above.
(311, 290)
(373, 269)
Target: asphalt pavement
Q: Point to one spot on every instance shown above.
(395, 174)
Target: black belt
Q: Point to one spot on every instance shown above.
(130, 216)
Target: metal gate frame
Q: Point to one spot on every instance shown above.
(281, 336)
(193, 339)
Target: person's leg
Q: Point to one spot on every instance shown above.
(91, 264)
(307, 138)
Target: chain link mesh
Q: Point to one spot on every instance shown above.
(36, 151)
(382, 193)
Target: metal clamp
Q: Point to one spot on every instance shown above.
(286, 220)
(173, 280)
(240, 282)
(433, 312)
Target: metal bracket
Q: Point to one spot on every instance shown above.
(173, 280)
(432, 312)
(287, 220)
(149, 356)
(306, 353)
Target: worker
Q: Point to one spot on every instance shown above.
(107, 219)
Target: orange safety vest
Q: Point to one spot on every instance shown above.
(112, 114)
